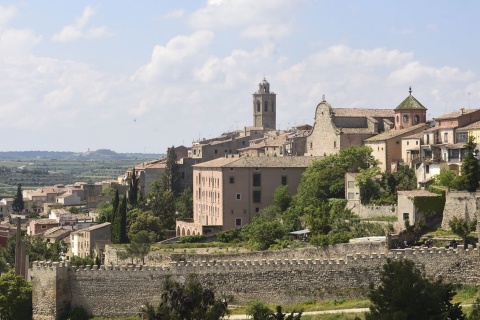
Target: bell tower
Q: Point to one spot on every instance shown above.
(264, 107)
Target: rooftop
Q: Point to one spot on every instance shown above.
(456, 114)
(410, 103)
(395, 133)
(417, 193)
(259, 162)
(359, 112)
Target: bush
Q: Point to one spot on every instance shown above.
(228, 236)
(192, 239)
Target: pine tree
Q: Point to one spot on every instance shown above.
(469, 180)
(18, 204)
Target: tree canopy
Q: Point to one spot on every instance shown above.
(404, 294)
(15, 297)
(462, 228)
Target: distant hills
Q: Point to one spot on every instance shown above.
(101, 154)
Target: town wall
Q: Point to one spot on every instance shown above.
(460, 204)
(163, 258)
(120, 291)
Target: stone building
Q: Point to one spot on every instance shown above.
(83, 242)
(338, 128)
(229, 192)
(409, 210)
(264, 107)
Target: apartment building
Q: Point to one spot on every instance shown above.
(83, 242)
(229, 192)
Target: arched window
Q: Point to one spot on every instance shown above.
(416, 119)
(266, 106)
(258, 106)
(405, 118)
(398, 120)
(273, 106)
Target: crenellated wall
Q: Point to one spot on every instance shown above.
(120, 291)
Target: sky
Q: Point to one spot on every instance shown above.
(143, 76)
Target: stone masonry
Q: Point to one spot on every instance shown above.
(114, 291)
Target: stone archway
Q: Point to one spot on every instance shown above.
(188, 232)
(183, 231)
(178, 231)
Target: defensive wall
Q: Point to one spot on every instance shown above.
(165, 257)
(115, 291)
(460, 204)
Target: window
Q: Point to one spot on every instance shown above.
(427, 168)
(44, 226)
(216, 151)
(351, 195)
(416, 119)
(408, 143)
(232, 179)
(257, 196)
(257, 209)
(405, 216)
(445, 137)
(462, 137)
(351, 184)
(334, 144)
(257, 180)
(239, 196)
(258, 106)
(194, 151)
(405, 118)
(398, 119)
(266, 106)
(273, 106)
(238, 222)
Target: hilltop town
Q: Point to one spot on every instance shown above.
(223, 184)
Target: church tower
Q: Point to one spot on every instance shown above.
(409, 113)
(264, 107)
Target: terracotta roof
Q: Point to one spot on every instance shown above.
(395, 133)
(45, 221)
(417, 135)
(359, 112)
(471, 126)
(97, 226)
(410, 103)
(56, 232)
(417, 193)
(455, 114)
(260, 162)
(456, 145)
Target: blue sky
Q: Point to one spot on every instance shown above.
(142, 76)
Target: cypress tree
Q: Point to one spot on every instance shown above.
(18, 204)
(115, 203)
(171, 177)
(133, 189)
(122, 217)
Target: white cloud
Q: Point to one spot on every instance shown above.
(7, 14)
(80, 29)
(259, 19)
(415, 71)
(17, 41)
(175, 14)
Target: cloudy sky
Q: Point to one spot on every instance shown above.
(141, 76)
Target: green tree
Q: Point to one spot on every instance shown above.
(188, 301)
(447, 178)
(405, 294)
(18, 204)
(133, 189)
(162, 203)
(263, 232)
(469, 179)
(139, 247)
(184, 204)
(462, 228)
(405, 178)
(119, 225)
(39, 249)
(475, 312)
(115, 201)
(147, 221)
(15, 297)
(171, 176)
(105, 212)
(282, 198)
(4, 266)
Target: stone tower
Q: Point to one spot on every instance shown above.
(264, 107)
(409, 113)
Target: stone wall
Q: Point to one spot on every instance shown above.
(162, 258)
(120, 291)
(461, 204)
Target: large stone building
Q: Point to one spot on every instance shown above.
(338, 128)
(229, 192)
